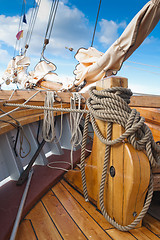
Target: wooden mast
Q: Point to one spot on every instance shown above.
(125, 190)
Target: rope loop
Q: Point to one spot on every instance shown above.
(48, 121)
(111, 105)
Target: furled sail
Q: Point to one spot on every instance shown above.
(93, 66)
(16, 68)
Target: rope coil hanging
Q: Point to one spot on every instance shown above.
(111, 105)
(48, 130)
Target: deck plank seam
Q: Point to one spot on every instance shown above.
(51, 219)
(69, 214)
(152, 232)
(133, 235)
(88, 212)
(32, 227)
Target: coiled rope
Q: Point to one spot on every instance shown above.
(75, 118)
(111, 105)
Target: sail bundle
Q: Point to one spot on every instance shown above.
(110, 62)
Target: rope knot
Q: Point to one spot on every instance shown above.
(111, 105)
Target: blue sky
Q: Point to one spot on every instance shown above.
(73, 27)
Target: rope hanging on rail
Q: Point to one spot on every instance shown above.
(48, 121)
(111, 105)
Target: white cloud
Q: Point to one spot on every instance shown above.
(109, 31)
(8, 29)
(70, 29)
(5, 57)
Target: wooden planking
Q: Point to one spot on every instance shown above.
(136, 101)
(98, 217)
(5, 127)
(26, 94)
(61, 218)
(152, 224)
(22, 113)
(144, 234)
(26, 116)
(150, 101)
(118, 235)
(155, 129)
(43, 225)
(50, 213)
(139, 233)
(150, 114)
(26, 231)
(80, 216)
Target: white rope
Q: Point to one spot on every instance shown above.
(60, 135)
(59, 168)
(75, 118)
(48, 131)
(12, 94)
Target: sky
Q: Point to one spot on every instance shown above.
(73, 27)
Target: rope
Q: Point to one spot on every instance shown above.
(48, 130)
(54, 109)
(21, 105)
(51, 20)
(32, 21)
(19, 28)
(96, 23)
(75, 118)
(111, 105)
(12, 94)
(22, 136)
(60, 135)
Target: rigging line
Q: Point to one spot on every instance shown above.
(32, 21)
(19, 27)
(141, 69)
(143, 64)
(96, 23)
(54, 17)
(35, 17)
(51, 19)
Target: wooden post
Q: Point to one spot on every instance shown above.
(124, 192)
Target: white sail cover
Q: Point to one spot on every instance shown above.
(16, 67)
(93, 65)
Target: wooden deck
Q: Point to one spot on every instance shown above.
(63, 214)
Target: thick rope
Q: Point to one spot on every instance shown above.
(54, 109)
(111, 105)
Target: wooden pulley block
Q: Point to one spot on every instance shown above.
(128, 172)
